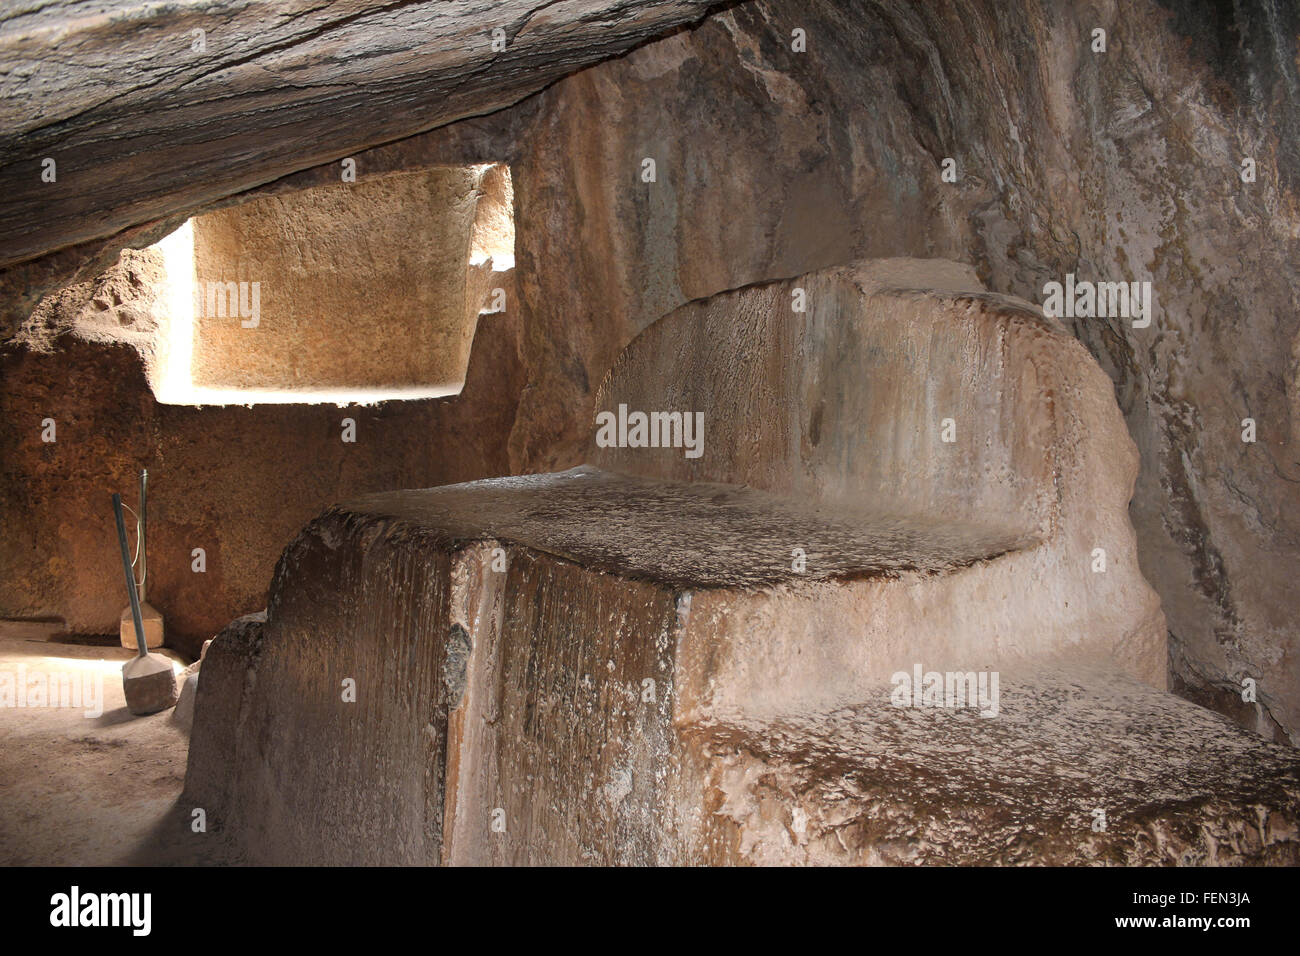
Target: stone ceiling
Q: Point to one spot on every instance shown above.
(145, 117)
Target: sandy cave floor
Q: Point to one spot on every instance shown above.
(81, 790)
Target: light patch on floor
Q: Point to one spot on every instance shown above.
(78, 790)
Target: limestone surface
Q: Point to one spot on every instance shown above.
(1125, 165)
(144, 116)
(1122, 165)
(318, 262)
(480, 674)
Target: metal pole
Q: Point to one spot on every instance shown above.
(130, 578)
(144, 524)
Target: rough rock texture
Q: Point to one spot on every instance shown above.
(229, 669)
(719, 535)
(1122, 165)
(359, 751)
(317, 261)
(866, 785)
(539, 682)
(838, 387)
(123, 304)
(552, 693)
(838, 413)
(144, 120)
(238, 482)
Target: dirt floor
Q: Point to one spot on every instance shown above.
(81, 787)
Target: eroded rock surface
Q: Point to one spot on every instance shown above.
(1117, 166)
(1078, 768)
(1122, 165)
(567, 742)
(234, 481)
(525, 691)
(144, 117)
(719, 535)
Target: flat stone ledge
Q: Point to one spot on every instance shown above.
(688, 535)
(1179, 785)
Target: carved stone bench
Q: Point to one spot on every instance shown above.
(731, 657)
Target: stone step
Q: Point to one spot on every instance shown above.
(1077, 767)
(689, 534)
(628, 663)
(549, 714)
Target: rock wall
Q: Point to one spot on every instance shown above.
(360, 285)
(1122, 165)
(236, 481)
(344, 727)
